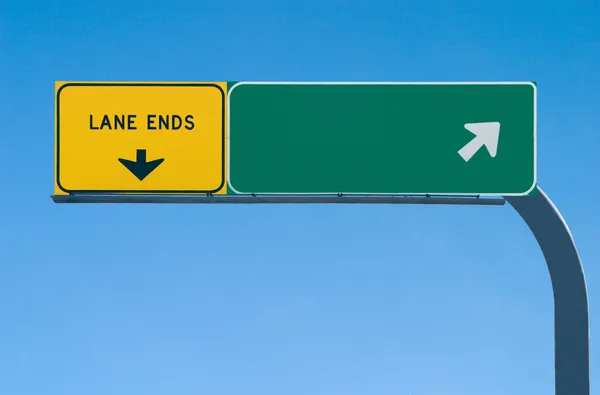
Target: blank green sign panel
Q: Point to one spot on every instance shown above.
(382, 138)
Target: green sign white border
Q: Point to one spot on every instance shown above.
(228, 138)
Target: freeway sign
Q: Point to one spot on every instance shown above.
(382, 138)
(140, 137)
(296, 138)
(302, 138)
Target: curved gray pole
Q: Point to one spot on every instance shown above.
(571, 316)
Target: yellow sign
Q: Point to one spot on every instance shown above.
(140, 137)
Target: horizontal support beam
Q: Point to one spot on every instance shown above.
(270, 199)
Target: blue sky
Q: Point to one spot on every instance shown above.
(288, 299)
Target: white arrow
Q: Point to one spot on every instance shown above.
(486, 133)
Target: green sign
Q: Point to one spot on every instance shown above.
(382, 138)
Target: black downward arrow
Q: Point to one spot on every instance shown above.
(140, 168)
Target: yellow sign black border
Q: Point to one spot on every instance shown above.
(140, 84)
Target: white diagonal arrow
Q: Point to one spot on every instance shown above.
(486, 133)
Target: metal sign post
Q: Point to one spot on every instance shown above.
(571, 315)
